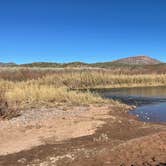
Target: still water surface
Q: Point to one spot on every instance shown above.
(150, 102)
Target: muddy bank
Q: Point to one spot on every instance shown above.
(93, 136)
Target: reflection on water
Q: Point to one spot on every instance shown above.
(142, 92)
(151, 101)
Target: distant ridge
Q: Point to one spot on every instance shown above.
(124, 62)
(54, 64)
(138, 60)
(7, 64)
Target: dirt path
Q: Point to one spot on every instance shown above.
(81, 136)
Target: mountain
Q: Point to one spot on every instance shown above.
(125, 62)
(138, 60)
(7, 64)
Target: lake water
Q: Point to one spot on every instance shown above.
(150, 102)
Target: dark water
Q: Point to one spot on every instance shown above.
(150, 102)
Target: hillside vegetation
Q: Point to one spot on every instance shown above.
(138, 60)
(131, 65)
(137, 64)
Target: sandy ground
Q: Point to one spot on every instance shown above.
(78, 136)
(25, 132)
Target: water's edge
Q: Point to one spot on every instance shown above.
(150, 102)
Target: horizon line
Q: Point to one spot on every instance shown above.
(65, 62)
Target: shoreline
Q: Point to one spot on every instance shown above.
(119, 129)
(122, 87)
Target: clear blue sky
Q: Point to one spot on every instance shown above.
(81, 30)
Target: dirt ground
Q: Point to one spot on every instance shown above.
(81, 136)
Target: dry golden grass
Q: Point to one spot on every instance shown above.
(81, 78)
(54, 88)
(21, 95)
(33, 95)
(101, 79)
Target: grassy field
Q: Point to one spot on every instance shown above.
(22, 88)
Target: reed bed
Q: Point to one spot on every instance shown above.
(28, 94)
(101, 79)
(81, 78)
(50, 88)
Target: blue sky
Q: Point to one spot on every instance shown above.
(81, 30)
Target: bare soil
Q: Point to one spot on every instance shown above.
(81, 136)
